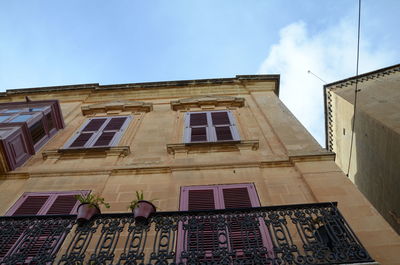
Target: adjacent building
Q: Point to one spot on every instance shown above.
(235, 177)
(375, 158)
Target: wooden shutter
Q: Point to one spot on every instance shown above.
(224, 126)
(196, 127)
(40, 204)
(110, 132)
(245, 232)
(98, 132)
(201, 234)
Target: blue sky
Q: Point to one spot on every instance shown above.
(46, 43)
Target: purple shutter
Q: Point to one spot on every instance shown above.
(198, 119)
(221, 123)
(81, 140)
(198, 125)
(51, 203)
(94, 124)
(115, 124)
(104, 139)
(201, 235)
(245, 232)
(63, 204)
(223, 133)
(31, 205)
(220, 118)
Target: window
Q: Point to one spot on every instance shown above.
(25, 127)
(39, 203)
(99, 132)
(210, 126)
(240, 235)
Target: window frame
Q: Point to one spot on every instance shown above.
(210, 128)
(16, 137)
(96, 134)
(220, 204)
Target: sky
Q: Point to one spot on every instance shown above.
(50, 43)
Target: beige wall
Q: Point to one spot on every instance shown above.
(289, 167)
(375, 157)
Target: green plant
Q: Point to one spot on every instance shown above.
(135, 202)
(92, 199)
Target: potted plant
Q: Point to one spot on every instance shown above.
(141, 208)
(89, 206)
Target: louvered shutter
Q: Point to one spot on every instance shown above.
(30, 205)
(49, 238)
(224, 126)
(197, 127)
(98, 132)
(201, 234)
(110, 131)
(63, 204)
(89, 131)
(247, 234)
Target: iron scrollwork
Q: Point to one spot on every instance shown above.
(291, 234)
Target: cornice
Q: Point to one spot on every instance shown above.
(202, 101)
(331, 87)
(119, 105)
(92, 87)
(287, 161)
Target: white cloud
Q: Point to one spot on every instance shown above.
(330, 54)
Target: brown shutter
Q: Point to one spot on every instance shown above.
(198, 119)
(203, 234)
(115, 124)
(223, 133)
(81, 140)
(31, 205)
(198, 134)
(244, 232)
(104, 139)
(220, 118)
(94, 124)
(63, 204)
(201, 200)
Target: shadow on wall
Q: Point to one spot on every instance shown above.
(376, 148)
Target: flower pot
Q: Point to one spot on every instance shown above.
(85, 212)
(143, 211)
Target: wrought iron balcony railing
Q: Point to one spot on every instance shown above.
(292, 234)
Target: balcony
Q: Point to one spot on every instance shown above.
(290, 234)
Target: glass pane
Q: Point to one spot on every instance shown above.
(36, 109)
(22, 118)
(13, 110)
(3, 118)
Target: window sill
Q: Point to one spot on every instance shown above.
(92, 152)
(206, 147)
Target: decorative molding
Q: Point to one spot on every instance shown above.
(92, 152)
(133, 169)
(212, 147)
(115, 106)
(207, 101)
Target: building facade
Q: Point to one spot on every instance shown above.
(375, 155)
(235, 177)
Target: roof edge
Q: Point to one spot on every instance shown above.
(146, 85)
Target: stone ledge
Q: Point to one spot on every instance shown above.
(212, 147)
(207, 101)
(92, 152)
(122, 106)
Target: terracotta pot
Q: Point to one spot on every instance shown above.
(143, 211)
(85, 212)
